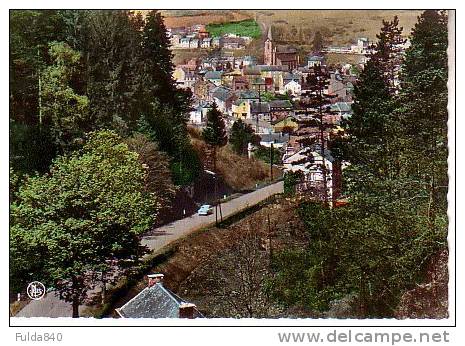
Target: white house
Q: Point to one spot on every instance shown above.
(315, 60)
(198, 115)
(293, 87)
(206, 42)
(184, 42)
(309, 161)
(278, 140)
(194, 43)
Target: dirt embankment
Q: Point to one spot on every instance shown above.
(237, 171)
(187, 268)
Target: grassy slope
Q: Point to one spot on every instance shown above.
(344, 25)
(247, 27)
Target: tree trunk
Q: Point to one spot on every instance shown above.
(75, 301)
(214, 158)
(322, 149)
(75, 307)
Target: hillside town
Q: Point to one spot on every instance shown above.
(268, 93)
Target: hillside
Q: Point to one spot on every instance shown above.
(238, 172)
(179, 18)
(338, 26)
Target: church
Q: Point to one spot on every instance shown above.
(280, 56)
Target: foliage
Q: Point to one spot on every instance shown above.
(90, 209)
(30, 33)
(373, 254)
(264, 153)
(112, 51)
(388, 52)
(238, 278)
(214, 132)
(158, 180)
(32, 148)
(72, 72)
(318, 101)
(169, 130)
(268, 96)
(62, 108)
(241, 135)
(369, 124)
(291, 179)
(248, 27)
(423, 114)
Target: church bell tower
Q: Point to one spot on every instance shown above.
(268, 50)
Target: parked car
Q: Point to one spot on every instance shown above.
(205, 209)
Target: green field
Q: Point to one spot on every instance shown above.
(248, 27)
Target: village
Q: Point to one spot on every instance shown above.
(268, 93)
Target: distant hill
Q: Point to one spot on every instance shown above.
(180, 18)
(338, 26)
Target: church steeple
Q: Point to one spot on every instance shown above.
(268, 57)
(269, 34)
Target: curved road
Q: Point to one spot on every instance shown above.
(52, 306)
(168, 233)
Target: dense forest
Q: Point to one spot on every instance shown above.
(98, 142)
(73, 72)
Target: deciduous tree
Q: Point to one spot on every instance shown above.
(90, 208)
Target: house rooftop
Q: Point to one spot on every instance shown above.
(291, 76)
(260, 107)
(251, 71)
(154, 302)
(222, 93)
(248, 94)
(344, 107)
(268, 68)
(315, 58)
(213, 75)
(277, 138)
(281, 104)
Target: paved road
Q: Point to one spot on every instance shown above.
(180, 228)
(52, 306)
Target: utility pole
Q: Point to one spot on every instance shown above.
(259, 105)
(271, 162)
(219, 201)
(216, 200)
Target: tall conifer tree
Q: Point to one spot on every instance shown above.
(424, 107)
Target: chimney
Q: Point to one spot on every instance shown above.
(186, 310)
(154, 279)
